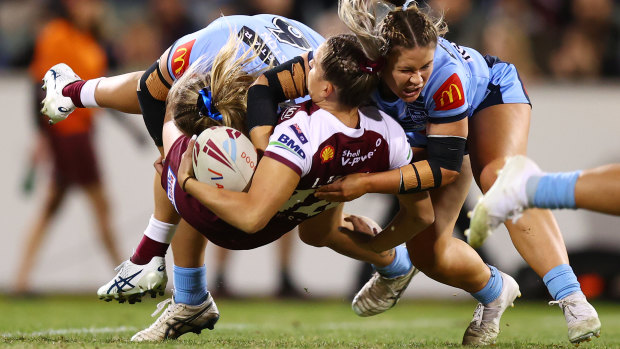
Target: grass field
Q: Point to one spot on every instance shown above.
(84, 322)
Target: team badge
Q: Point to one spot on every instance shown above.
(450, 95)
(300, 135)
(180, 58)
(289, 34)
(327, 154)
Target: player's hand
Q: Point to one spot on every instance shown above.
(343, 189)
(186, 168)
(359, 226)
(159, 165)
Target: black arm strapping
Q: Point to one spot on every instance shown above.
(262, 103)
(274, 82)
(443, 152)
(261, 110)
(446, 152)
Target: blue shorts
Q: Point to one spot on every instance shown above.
(505, 85)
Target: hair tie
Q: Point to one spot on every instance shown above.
(204, 105)
(407, 3)
(371, 67)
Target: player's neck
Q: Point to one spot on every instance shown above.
(347, 115)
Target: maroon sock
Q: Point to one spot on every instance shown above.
(73, 91)
(147, 249)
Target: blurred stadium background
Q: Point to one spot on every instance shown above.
(567, 52)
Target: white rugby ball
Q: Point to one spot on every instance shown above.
(224, 157)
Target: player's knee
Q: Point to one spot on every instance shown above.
(314, 240)
(488, 175)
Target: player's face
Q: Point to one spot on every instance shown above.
(407, 71)
(316, 78)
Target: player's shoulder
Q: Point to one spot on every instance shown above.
(376, 116)
(298, 112)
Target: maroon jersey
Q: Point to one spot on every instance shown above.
(314, 144)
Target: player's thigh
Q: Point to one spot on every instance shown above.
(316, 230)
(496, 132)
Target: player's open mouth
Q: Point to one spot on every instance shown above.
(411, 92)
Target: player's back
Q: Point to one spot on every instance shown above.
(277, 39)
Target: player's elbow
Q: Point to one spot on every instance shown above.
(448, 176)
(254, 222)
(423, 215)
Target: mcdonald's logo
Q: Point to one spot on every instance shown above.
(180, 58)
(450, 95)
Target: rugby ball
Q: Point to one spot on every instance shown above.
(224, 157)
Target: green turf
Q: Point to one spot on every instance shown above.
(79, 322)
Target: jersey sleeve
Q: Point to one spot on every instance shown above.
(447, 99)
(289, 145)
(400, 150)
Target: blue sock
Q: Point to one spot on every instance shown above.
(552, 190)
(399, 266)
(493, 288)
(190, 285)
(561, 281)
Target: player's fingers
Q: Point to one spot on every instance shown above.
(190, 146)
(329, 196)
(336, 186)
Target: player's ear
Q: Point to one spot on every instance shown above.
(328, 89)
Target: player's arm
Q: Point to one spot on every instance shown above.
(445, 148)
(251, 211)
(279, 84)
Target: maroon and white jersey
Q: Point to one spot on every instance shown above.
(320, 148)
(317, 146)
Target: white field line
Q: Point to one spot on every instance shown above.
(65, 331)
(417, 323)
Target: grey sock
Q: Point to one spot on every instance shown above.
(530, 188)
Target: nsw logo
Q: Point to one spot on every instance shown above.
(300, 135)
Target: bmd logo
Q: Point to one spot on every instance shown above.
(450, 94)
(285, 142)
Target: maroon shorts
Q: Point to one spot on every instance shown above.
(74, 158)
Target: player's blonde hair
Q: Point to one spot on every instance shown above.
(382, 26)
(227, 76)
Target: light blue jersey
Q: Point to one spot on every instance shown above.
(462, 82)
(283, 40)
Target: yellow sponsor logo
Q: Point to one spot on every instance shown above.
(450, 95)
(181, 58)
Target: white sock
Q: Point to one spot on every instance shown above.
(160, 231)
(87, 94)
